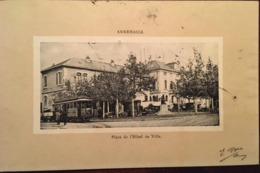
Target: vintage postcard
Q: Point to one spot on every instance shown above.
(128, 84)
(87, 84)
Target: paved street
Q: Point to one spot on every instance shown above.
(148, 121)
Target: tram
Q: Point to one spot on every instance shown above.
(78, 109)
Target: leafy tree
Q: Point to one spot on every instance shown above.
(105, 87)
(136, 76)
(110, 87)
(176, 92)
(211, 81)
(191, 82)
(122, 86)
(68, 91)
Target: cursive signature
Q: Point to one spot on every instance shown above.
(232, 152)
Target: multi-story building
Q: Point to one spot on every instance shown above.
(165, 75)
(76, 69)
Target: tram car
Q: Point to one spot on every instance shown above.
(47, 115)
(77, 109)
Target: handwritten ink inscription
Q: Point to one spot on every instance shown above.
(232, 152)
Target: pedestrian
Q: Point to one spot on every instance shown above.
(99, 113)
(59, 116)
(65, 118)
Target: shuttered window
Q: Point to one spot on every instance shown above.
(58, 78)
(45, 81)
(78, 77)
(165, 84)
(171, 85)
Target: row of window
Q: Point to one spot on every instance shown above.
(156, 98)
(155, 85)
(79, 76)
(165, 73)
(58, 79)
(69, 105)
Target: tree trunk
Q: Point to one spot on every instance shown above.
(178, 103)
(195, 105)
(212, 103)
(107, 107)
(103, 112)
(117, 108)
(133, 108)
(208, 104)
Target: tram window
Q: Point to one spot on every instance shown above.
(70, 105)
(94, 106)
(83, 105)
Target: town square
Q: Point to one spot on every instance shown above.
(116, 84)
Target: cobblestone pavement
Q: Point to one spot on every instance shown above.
(142, 121)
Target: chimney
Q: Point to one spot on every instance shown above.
(87, 59)
(112, 63)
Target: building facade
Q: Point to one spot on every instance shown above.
(165, 75)
(76, 69)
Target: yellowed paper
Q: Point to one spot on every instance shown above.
(24, 148)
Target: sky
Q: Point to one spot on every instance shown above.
(55, 52)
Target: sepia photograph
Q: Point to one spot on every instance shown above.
(125, 83)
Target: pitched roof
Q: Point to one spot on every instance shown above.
(55, 66)
(86, 64)
(158, 65)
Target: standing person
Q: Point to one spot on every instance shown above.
(99, 113)
(59, 116)
(65, 118)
